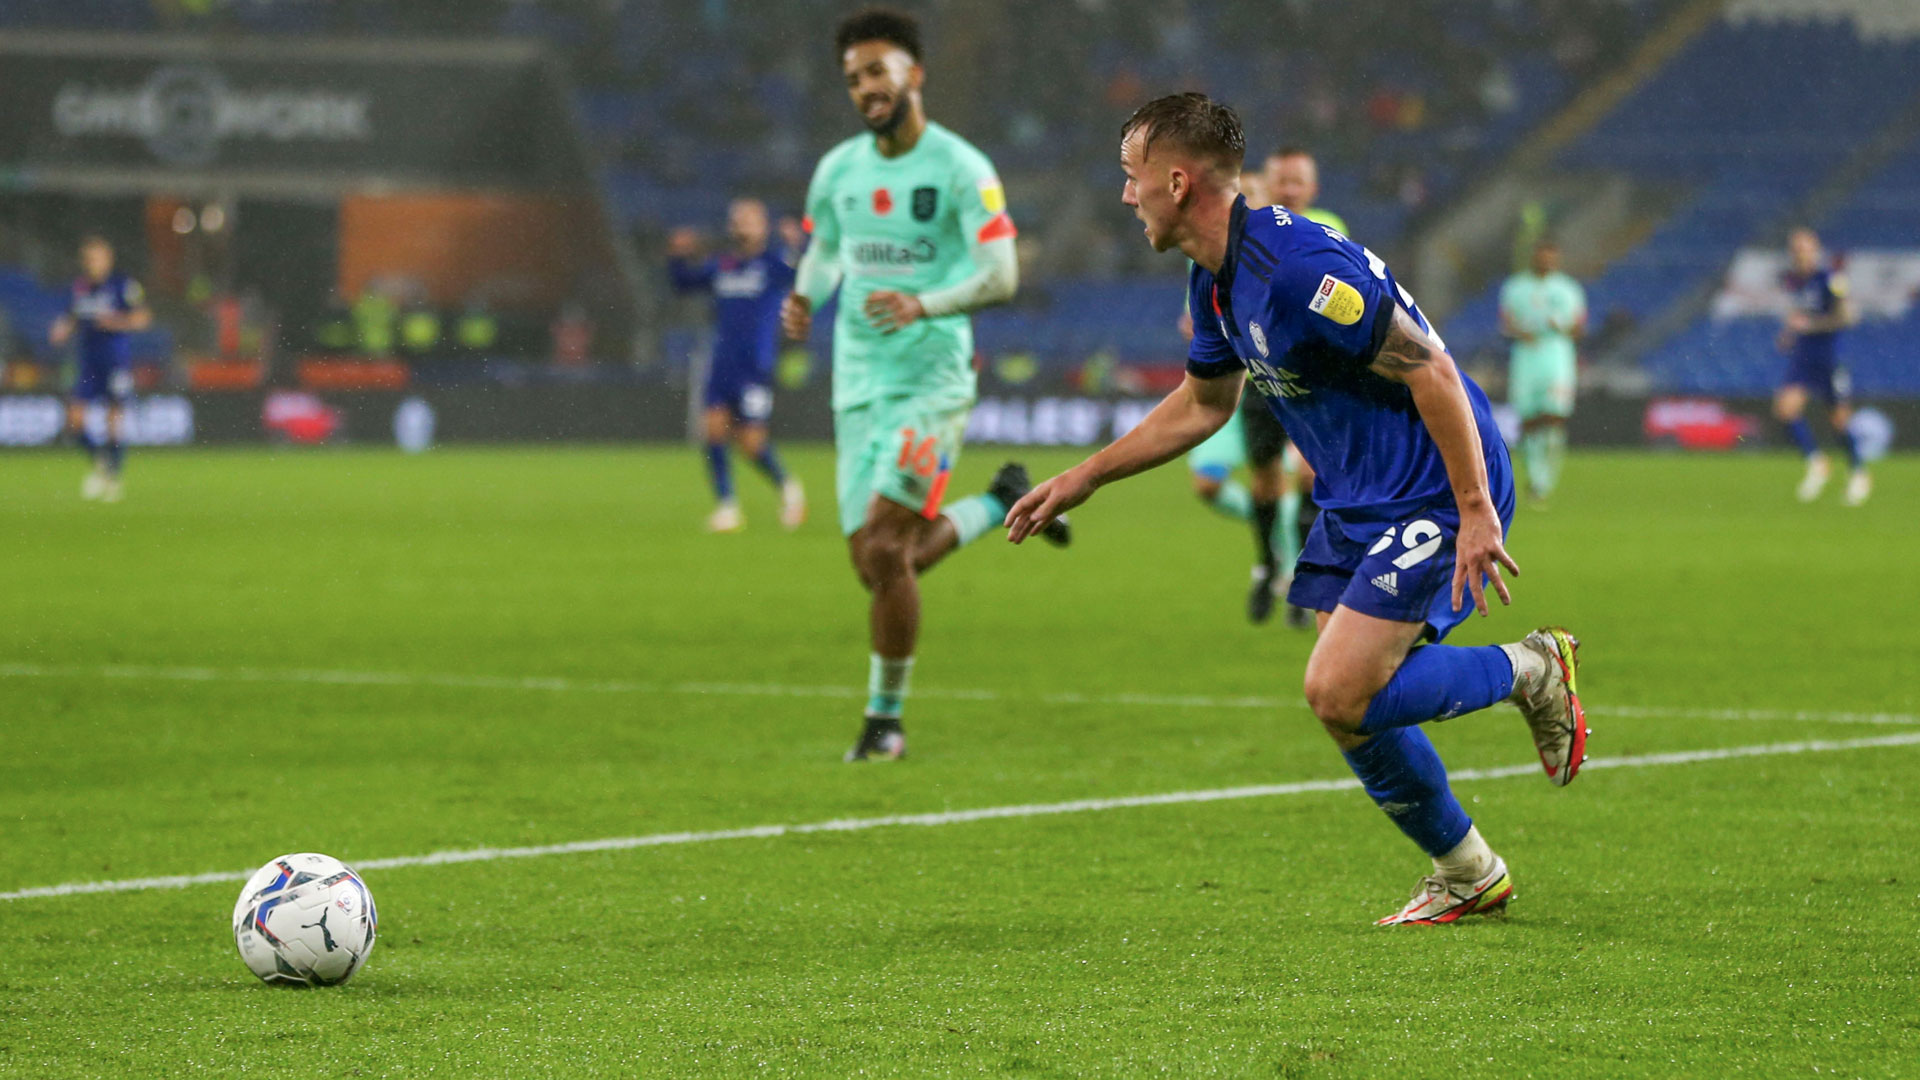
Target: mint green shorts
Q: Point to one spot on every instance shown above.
(1224, 451)
(900, 449)
(1541, 386)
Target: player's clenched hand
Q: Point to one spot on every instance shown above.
(1037, 508)
(796, 317)
(683, 243)
(889, 310)
(1478, 555)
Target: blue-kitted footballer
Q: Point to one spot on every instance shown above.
(1414, 485)
(106, 307)
(748, 282)
(1817, 314)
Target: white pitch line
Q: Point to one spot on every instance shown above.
(564, 684)
(960, 817)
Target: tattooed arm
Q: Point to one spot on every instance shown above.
(1411, 356)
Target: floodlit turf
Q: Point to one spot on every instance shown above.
(265, 652)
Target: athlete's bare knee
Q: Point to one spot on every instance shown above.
(884, 558)
(1788, 406)
(1336, 703)
(1207, 488)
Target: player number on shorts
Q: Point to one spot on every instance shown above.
(920, 455)
(756, 403)
(1421, 539)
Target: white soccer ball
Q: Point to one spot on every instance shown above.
(304, 920)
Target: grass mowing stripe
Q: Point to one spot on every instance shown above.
(960, 817)
(562, 684)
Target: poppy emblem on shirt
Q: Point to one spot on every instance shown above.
(882, 201)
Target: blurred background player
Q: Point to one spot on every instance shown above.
(1544, 311)
(748, 281)
(1282, 481)
(106, 307)
(1810, 337)
(909, 223)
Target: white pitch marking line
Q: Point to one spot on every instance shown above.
(563, 684)
(960, 817)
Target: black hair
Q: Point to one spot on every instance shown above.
(1195, 123)
(1292, 150)
(879, 24)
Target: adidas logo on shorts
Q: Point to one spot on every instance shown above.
(1388, 582)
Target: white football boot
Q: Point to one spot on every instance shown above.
(1546, 664)
(1438, 900)
(726, 518)
(793, 505)
(1859, 486)
(1812, 484)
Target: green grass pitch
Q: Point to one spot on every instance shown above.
(264, 652)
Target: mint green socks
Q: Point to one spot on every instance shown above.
(887, 680)
(973, 516)
(1234, 501)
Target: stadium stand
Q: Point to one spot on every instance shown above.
(1770, 68)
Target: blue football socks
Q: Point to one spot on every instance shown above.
(1802, 433)
(720, 471)
(1851, 446)
(1439, 682)
(769, 463)
(1403, 774)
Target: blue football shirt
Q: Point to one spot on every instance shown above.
(747, 293)
(1817, 295)
(1304, 310)
(116, 294)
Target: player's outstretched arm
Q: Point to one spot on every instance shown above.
(814, 280)
(1410, 355)
(994, 281)
(1183, 420)
(136, 320)
(685, 268)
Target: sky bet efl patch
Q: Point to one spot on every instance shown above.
(992, 195)
(1338, 301)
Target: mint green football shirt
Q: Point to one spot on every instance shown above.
(1547, 307)
(908, 224)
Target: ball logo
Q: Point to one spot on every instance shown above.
(325, 934)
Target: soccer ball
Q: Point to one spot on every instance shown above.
(304, 920)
